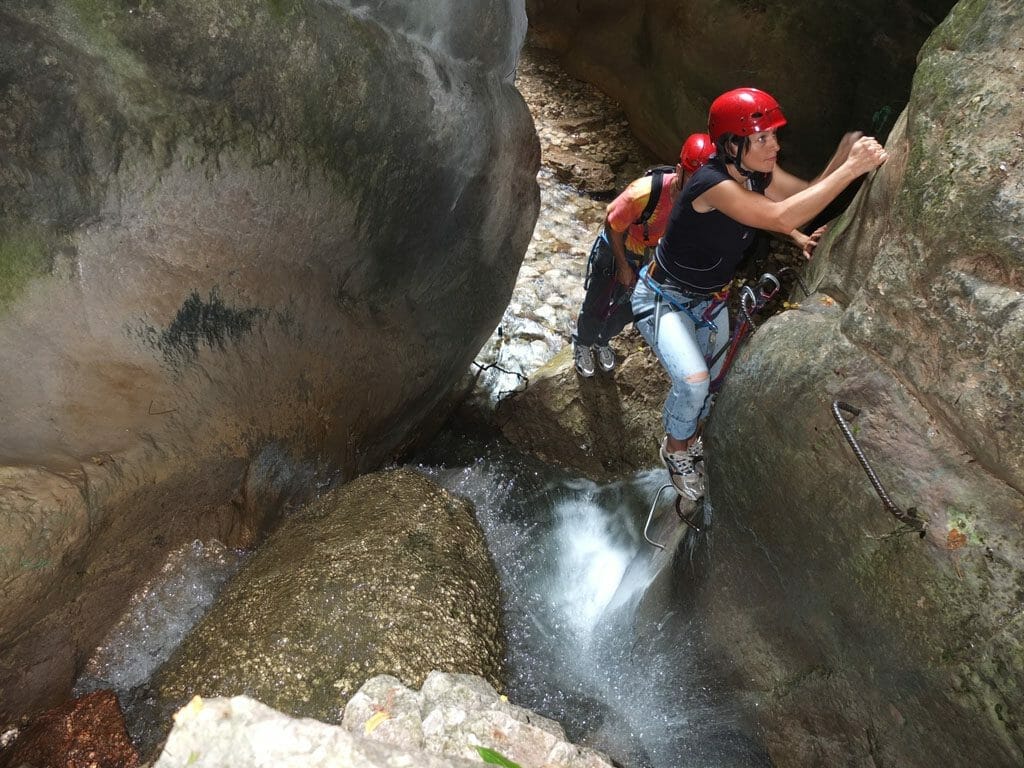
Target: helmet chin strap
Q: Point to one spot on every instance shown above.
(738, 162)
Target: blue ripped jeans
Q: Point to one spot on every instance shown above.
(682, 347)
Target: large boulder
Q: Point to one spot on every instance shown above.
(389, 574)
(859, 640)
(243, 245)
(834, 67)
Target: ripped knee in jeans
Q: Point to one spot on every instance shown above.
(697, 378)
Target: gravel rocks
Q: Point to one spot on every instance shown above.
(587, 156)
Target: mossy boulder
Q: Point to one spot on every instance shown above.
(388, 574)
(605, 427)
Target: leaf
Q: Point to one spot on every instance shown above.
(374, 720)
(491, 757)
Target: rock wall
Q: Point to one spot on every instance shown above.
(856, 641)
(833, 66)
(244, 246)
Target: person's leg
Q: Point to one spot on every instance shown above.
(673, 338)
(683, 360)
(598, 291)
(618, 314)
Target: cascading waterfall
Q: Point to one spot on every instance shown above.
(575, 570)
(575, 575)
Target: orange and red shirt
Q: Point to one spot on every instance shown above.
(624, 210)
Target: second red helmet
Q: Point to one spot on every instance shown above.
(697, 150)
(743, 111)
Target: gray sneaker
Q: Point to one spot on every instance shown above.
(696, 451)
(685, 478)
(605, 357)
(584, 360)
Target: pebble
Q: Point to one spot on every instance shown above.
(575, 118)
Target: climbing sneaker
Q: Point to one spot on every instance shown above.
(584, 360)
(696, 451)
(686, 480)
(605, 357)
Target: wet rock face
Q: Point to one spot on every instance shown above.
(242, 244)
(858, 642)
(834, 67)
(387, 575)
(933, 260)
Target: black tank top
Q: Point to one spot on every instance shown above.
(700, 251)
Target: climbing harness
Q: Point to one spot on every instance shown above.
(909, 518)
(752, 300)
(704, 320)
(679, 511)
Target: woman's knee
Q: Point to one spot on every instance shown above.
(692, 389)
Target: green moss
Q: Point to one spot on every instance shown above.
(281, 8)
(24, 255)
(98, 16)
(953, 31)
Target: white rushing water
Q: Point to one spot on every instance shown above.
(573, 566)
(159, 617)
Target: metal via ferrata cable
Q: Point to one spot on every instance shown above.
(908, 518)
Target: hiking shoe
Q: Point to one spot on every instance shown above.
(605, 357)
(686, 480)
(584, 360)
(696, 451)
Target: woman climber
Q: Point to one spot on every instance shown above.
(679, 302)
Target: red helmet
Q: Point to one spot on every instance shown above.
(744, 111)
(697, 150)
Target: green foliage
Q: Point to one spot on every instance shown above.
(491, 757)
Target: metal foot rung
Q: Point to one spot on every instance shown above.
(678, 506)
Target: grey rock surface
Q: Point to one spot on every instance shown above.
(385, 724)
(605, 427)
(245, 247)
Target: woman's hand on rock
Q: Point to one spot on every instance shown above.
(866, 154)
